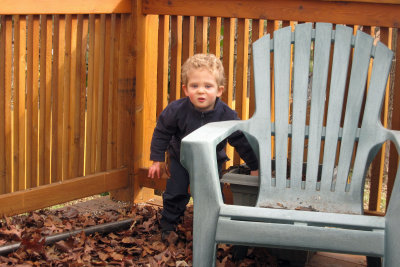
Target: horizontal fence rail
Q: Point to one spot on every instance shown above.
(63, 97)
(230, 38)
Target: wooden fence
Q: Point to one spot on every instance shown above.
(65, 93)
(82, 84)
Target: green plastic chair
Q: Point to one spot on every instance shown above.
(320, 214)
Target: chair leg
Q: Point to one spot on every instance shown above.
(204, 245)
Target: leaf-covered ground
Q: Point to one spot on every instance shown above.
(140, 245)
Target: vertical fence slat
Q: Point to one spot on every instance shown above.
(393, 156)
(111, 24)
(106, 95)
(201, 34)
(55, 99)
(187, 37)
(82, 96)
(228, 62)
(73, 123)
(162, 66)
(66, 85)
(241, 73)
(42, 99)
(120, 96)
(47, 82)
(103, 98)
(228, 58)
(29, 99)
(98, 92)
(2, 106)
(22, 103)
(215, 36)
(90, 97)
(115, 112)
(35, 103)
(176, 57)
(8, 105)
(61, 102)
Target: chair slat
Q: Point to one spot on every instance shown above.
(338, 82)
(318, 93)
(358, 78)
(300, 85)
(282, 47)
(262, 83)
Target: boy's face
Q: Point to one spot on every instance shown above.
(202, 89)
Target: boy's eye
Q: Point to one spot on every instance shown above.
(208, 86)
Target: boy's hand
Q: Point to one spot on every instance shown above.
(157, 170)
(254, 173)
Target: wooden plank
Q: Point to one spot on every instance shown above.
(241, 73)
(294, 10)
(100, 92)
(146, 42)
(22, 102)
(215, 36)
(176, 58)
(114, 134)
(55, 98)
(187, 37)
(96, 92)
(7, 112)
(2, 106)
(73, 123)
(144, 181)
(228, 60)
(66, 127)
(368, 1)
(201, 34)
(106, 94)
(48, 195)
(394, 156)
(111, 81)
(63, 7)
(121, 69)
(15, 107)
(47, 82)
(89, 169)
(82, 97)
(42, 100)
(29, 104)
(162, 64)
(62, 102)
(35, 103)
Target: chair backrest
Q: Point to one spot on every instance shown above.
(324, 71)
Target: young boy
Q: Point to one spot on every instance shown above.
(203, 84)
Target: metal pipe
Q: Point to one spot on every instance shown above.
(100, 228)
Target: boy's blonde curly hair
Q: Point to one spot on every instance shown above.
(207, 61)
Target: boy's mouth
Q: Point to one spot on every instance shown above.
(201, 99)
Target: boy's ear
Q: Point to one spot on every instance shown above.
(185, 90)
(220, 90)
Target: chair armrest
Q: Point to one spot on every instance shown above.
(394, 204)
(198, 156)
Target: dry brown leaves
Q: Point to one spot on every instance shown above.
(140, 245)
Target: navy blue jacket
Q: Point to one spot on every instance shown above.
(180, 118)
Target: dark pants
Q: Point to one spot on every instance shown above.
(176, 195)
